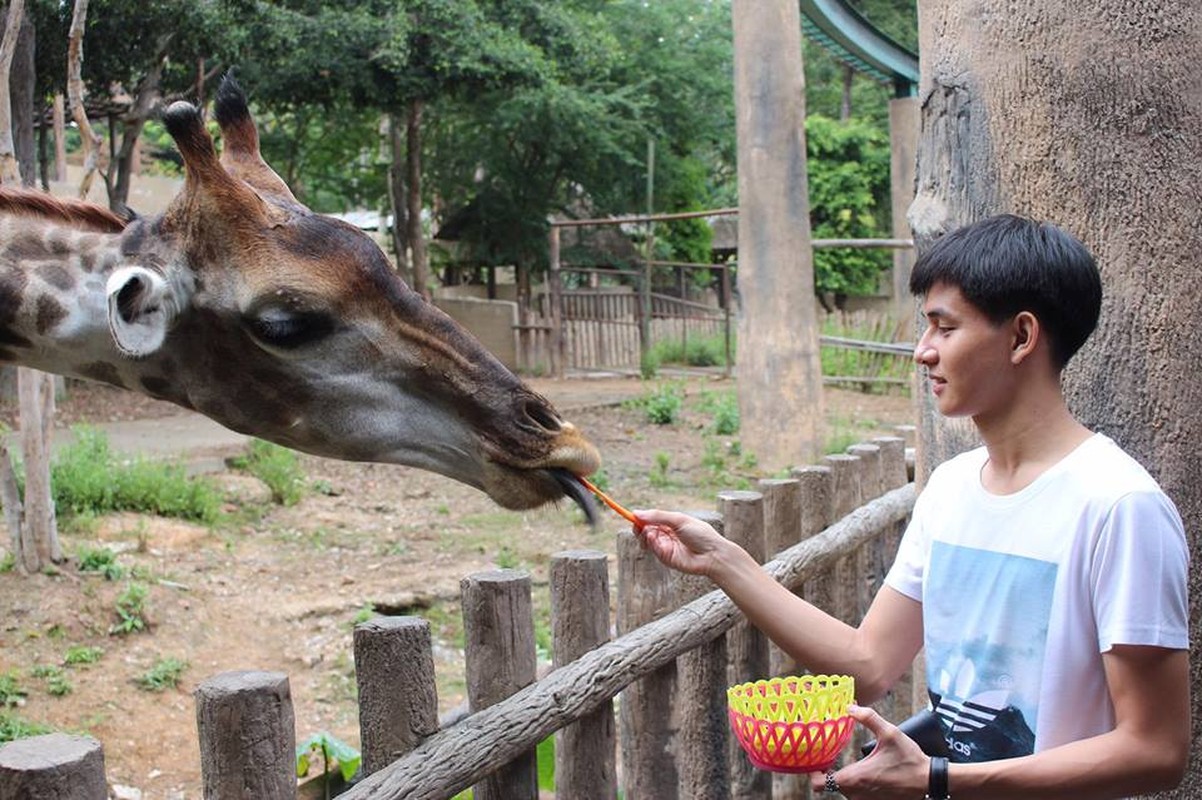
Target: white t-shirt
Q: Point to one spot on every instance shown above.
(1022, 593)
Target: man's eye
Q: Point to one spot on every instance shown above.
(289, 330)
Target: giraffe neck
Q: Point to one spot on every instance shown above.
(53, 301)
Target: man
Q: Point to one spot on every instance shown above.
(1045, 572)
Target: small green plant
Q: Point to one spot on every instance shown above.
(55, 678)
(724, 408)
(82, 654)
(658, 477)
(664, 405)
(131, 610)
(164, 675)
(333, 750)
(102, 560)
(11, 691)
(278, 467)
(366, 612)
(8, 562)
(13, 727)
(506, 558)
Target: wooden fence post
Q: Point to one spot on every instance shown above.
(57, 765)
(498, 627)
(782, 529)
(894, 474)
(241, 707)
(646, 723)
(585, 750)
(701, 683)
(398, 700)
(746, 645)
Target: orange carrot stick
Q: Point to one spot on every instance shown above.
(621, 510)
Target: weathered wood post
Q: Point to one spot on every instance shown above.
(498, 627)
(782, 529)
(585, 750)
(58, 765)
(747, 646)
(701, 683)
(646, 722)
(398, 699)
(247, 736)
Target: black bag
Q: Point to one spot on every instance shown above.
(925, 729)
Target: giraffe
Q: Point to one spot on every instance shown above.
(240, 303)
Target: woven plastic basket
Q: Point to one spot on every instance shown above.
(794, 724)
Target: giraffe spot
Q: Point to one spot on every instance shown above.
(55, 275)
(100, 371)
(133, 239)
(50, 313)
(12, 289)
(24, 250)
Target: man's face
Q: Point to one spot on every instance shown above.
(966, 356)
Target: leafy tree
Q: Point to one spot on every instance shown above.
(849, 193)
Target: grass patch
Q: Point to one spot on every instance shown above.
(164, 675)
(278, 468)
(13, 727)
(79, 655)
(89, 479)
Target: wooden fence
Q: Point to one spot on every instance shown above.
(834, 527)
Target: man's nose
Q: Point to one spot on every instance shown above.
(923, 352)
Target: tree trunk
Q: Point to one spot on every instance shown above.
(147, 93)
(60, 137)
(75, 92)
(398, 198)
(9, 170)
(780, 376)
(849, 76)
(1087, 113)
(413, 170)
(21, 84)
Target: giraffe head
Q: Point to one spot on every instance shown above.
(241, 303)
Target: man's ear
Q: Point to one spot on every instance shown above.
(1026, 334)
(142, 306)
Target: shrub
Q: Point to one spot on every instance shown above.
(165, 674)
(276, 466)
(130, 608)
(87, 478)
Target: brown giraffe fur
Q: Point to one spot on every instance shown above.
(240, 303)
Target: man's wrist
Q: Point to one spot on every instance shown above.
(937, 787)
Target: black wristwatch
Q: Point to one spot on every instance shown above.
(937, 785)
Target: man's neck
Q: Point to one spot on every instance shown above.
(1028, 440)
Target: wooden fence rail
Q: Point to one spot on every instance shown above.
(680, 644)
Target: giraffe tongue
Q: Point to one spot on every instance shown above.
(574, 489)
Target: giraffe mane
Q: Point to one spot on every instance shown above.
(80, 214)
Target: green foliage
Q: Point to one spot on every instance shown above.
(698, 351)
(102, 560)
(13, 727)
(849, 198)
(88, 478)
(332, 749)
(82, 654)
(276, 466)
(664, 405)
(55, 679)
(658, 477)
(131, 609)
(164, 674)
(11, 691)
(724, 408)
(8, 562)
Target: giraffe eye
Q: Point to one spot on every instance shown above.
(289, 330)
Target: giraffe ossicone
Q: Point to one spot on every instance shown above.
(241, 303)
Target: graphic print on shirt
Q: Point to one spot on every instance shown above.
(986, 618)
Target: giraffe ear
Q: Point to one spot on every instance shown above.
(141, 306)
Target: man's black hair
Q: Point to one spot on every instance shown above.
(1007, 264)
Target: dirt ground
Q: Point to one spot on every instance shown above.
(280, 588)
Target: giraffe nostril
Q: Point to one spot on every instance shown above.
(543, 416)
